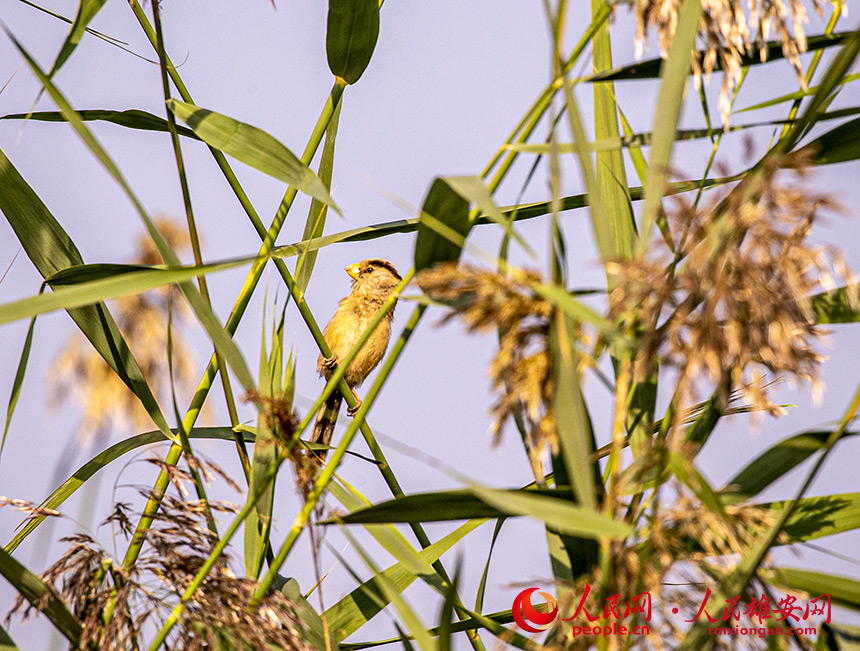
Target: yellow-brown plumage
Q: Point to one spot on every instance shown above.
(374, 281)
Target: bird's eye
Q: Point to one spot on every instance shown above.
(369, 269)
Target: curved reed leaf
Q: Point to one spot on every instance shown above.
(652, 68)
(87, 10)
(559, 514)
(316, 632)
(835, 307)
(838, 145)
(774, 463)
(351, 33)
(104, 458)
(442, 227)
(51, 250)
(817, 517)
(667, 112)
(85, 285)
(798, 95)
(252, 146)
(18, 382)
(131, 118)
(439, 506)
(43, 598)
(6, 642)
(353, 611)
(315, 223)
(482, 585)
(575, 435)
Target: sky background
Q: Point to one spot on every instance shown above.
(448, 82)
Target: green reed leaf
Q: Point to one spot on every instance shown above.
(252, 146)
(351, 33)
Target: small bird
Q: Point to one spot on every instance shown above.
(373, 282)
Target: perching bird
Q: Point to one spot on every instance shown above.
(373, 282)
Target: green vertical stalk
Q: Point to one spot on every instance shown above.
(256, 272)
(198, 259)
(325, 476)
(813, 66)
(609, 168)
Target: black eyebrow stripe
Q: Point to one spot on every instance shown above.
(378, 262)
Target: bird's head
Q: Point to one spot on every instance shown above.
(373, 276)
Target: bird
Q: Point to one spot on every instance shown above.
(373, 282)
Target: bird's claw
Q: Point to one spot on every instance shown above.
(352, 411)
(329, 362)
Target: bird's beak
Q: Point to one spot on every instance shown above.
(352, 270)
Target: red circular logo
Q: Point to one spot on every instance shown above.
(525, 615)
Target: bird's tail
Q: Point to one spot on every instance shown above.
(324, 425)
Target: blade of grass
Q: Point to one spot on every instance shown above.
(265, 457)
(103, 459)
(18, 382)
(835, 307)
(51, 250)
(610, 175)
(737, 581)
(482, 584)
(353, 611)
(795, 96)
(41, 596)
(438, 506)
(817, 517)
(107, 283)
(775, 462)
(448, 207)
(130, 118)
(87, 10)
(393, 595)
(574, 426)
(653, 68)
(667, 113)
(252, 146)
(220, 338)
(315, 224)
(559, 514)
(6, 642)
(352, 28)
